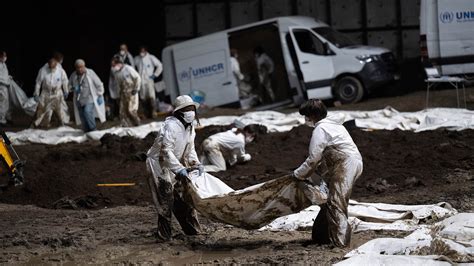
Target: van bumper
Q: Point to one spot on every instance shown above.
(378, 73)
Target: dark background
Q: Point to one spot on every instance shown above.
(91, 30)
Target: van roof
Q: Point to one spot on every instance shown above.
(282, 21)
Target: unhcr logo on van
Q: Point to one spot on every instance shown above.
(461, 16)
(201, 72)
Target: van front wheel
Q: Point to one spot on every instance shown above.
(349, 90)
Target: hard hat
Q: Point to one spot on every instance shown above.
(184, 101)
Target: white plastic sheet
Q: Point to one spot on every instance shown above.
(452, 237)
(388, 119)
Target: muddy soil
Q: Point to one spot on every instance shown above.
(60, 215)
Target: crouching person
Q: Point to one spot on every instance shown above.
(334, 155)
(170, 157)
(228, 146)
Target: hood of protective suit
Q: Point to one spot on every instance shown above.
(337, 119)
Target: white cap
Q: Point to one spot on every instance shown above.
(183, 101)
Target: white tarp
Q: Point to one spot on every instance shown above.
(387, 119)
(252, 207)
(376, 260)
(363, 216)
(452, 237)
(19, 100)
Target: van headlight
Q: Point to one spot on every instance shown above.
(363, 59)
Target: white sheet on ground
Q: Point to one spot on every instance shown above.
(374, 259)
(452, 237)
(388, 119)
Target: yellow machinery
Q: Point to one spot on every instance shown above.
(9, 165)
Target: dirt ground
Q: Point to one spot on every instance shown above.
(61, 216)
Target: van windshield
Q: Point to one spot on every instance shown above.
(338, 39)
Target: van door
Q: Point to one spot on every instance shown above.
(204, 65)
(315, 62)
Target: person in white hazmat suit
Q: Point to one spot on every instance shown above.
(149, 68)
(4, 84)
(129, 85)
(172, 156)
(88, 96)
(265, 67)
(51, 90)
(335, 157)
(43, 71)
(227, 147)
(114, 92)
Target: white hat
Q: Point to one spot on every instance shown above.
(184, 101)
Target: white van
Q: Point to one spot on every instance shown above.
(311, 61)
(447, 35)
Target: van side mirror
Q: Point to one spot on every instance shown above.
(327, 50)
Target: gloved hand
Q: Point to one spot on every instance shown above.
(100, 100)
(183, 173)
(152, 76)
(77, 88)
(134, 92)
(36, 97)
(201, 169)
(65, 95)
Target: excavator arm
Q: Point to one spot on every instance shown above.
(9, 165)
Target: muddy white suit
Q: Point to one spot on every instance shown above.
(51, 85)
(334, 156)
(265, 67)
(4, 99)
(95, 87)
(128, 81)
(114, 90)
(148, 66)
(221, 146)
(172, 151)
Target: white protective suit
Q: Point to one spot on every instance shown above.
(114, 90)
(224, 145)
(4, 99)
(128, 81)
(96, 90)
(51, 84)
(147, 66)
(172, 151)
(265, 68)
(335, 157)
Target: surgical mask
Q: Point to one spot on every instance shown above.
(142, 54)
(116, 68)
(122, 52)
(189, 116)
(249, 139)
(308, 122)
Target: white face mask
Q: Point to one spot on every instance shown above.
(249, 139)
(122, 52)
(308, 122)
(116, 68)
(189, 116)
(142, 54)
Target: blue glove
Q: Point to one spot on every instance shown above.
(201, 169)
(100, 100)
(152, 76)
(77, 88)
(36, 97)
(65, 95)
(182, 173)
